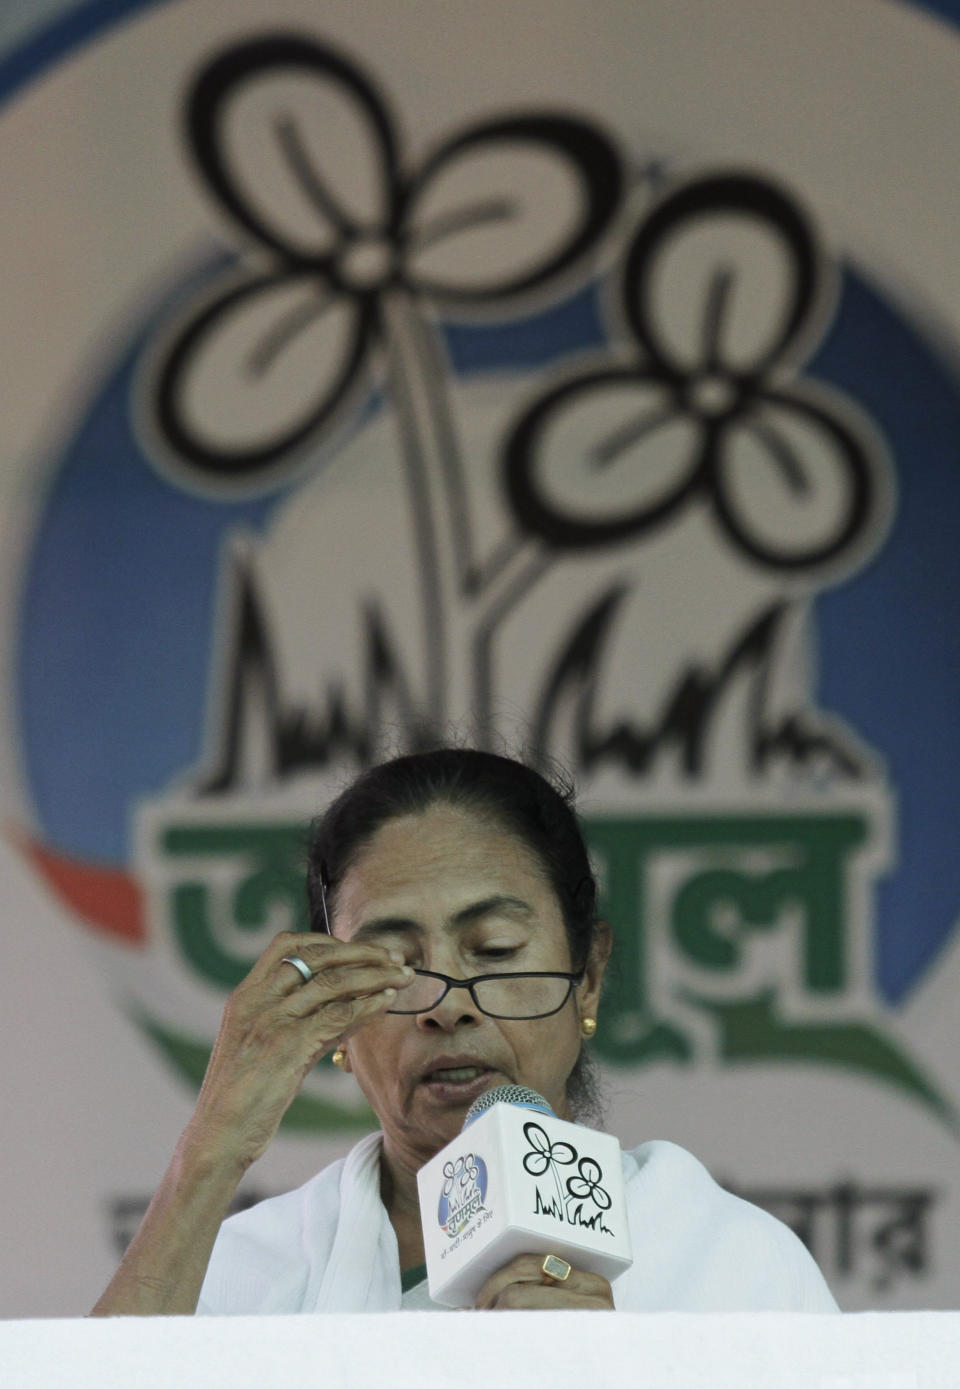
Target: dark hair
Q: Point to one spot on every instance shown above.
(507, 792)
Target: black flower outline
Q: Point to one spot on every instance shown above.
(543, 1154)
(586, 1185)
(544, 1157)
(464, 1173)
(321, 276)
(715, 396)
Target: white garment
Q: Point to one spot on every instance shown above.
(330, 1247)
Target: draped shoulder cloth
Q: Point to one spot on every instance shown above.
(330, 1247)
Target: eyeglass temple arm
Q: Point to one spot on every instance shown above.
(324, 885)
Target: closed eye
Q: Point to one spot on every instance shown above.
(497, 952)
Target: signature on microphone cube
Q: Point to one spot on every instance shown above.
(519, 1181)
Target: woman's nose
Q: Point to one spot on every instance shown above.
(455, 1009)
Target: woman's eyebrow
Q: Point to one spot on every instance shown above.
(393, 925)
(488, 905)
(387, 925)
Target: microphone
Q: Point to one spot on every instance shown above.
(518, 1180)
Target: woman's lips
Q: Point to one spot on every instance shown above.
(457, 1084)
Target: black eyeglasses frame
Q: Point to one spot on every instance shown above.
(573, 979)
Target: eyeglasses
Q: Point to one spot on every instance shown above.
(532, 994)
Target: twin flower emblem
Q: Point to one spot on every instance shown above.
(722, 296)
(464, 1174)
(545, 1156)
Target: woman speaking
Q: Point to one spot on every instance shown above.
(454, 947)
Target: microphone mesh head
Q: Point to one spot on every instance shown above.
(506, 1094)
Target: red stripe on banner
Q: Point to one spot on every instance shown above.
(107, 899)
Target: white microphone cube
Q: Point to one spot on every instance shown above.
(520, 1181)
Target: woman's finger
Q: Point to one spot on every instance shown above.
(347, 984)
(536, 1297)
(522, 1283)
(274, 974)
(338, 1018)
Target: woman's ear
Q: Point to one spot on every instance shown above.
(588, 995)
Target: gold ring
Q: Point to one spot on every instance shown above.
(555, 1269)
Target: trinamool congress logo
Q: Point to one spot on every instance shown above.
(462, 1194)
(529, 438)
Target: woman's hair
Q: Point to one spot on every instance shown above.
(507, 793)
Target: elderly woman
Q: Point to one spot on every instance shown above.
(455, 947)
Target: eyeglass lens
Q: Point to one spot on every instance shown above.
(513, 996)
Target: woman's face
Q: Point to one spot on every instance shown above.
(454, 893)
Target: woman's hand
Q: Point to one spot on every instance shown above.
(276, 1027)
(522, 1284)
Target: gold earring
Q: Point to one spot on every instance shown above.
(588, 1026)
(339, 1058)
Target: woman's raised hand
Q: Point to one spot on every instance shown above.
(277, 1026)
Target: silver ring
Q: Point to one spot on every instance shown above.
(301, 966)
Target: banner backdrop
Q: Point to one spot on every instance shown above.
(575, 380)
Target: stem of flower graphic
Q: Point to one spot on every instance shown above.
(431, 458)
(561, 1202)
(452, 587)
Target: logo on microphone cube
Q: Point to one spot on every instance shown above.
(462, 1194)
(542, 1186)
(579, 1197)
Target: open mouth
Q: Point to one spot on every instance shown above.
(457, 1084)
(455, 1075)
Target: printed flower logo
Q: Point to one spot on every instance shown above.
(586, 1186)
(464, 1173)
(724, 293)
(462, 1193)
(299, 150)
(543, 1154)
(348, 247)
